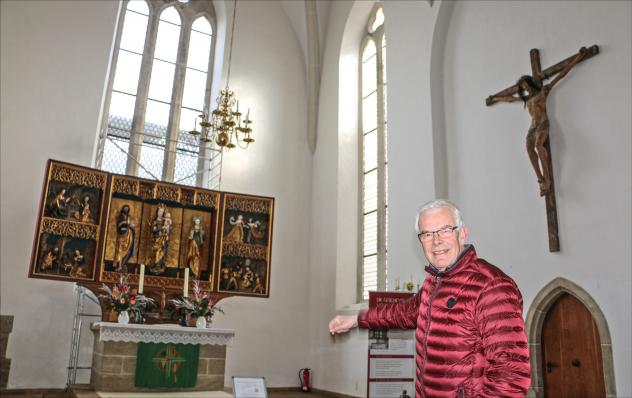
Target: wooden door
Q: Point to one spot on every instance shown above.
(571, 352)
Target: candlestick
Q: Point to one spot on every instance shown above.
(141, 279)
(186, 282)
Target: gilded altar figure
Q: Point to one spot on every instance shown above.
(85, 210)
(160, 230)
(258, 284)
(59, 205)
(194, 250)
(50, 259)
(236, 234)
(125, 233)
(78, 269)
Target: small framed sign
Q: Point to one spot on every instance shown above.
(249, 387)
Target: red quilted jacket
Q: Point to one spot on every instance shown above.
(469, 329)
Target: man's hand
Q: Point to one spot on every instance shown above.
(343, 323)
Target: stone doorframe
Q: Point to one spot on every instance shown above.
(535, 320)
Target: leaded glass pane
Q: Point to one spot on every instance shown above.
(369, 50)
(369, 113)
(151, 158)
(186, 168)
(370, 233)
(370, 191)
(369, 273)
(194, 89)
(161, 83)
(122, 105)
(167, 41)
(156, 120)
(114, 155)
(134, 30)
(370, 151)
(140, 6)
(127, 72)
(199, 49)
(369, 76)
(202, 25)
(188, 121)
(170, 15)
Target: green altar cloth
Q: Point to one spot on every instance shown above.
(160, 365)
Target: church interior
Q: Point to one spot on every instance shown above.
(300, 69)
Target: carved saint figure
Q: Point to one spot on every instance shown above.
(225, 278)
(255, 232)
(125, 233)
(258, 284)
(85, 210)
(78, 269)
(51, 258)
(237, 233)
(234, 277)
(160, 231)
(248, 278)
(534, 99)
(194, 250)
(59, 204)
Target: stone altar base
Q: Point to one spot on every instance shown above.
(114, 361)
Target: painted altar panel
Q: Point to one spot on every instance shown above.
(68, 229)
(245, 245)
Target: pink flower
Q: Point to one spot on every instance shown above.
(122, 300)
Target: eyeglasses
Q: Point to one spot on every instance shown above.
(442, 233)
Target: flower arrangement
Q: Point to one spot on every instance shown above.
(123, 298)
(197, 305)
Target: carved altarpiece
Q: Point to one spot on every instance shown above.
(94, 227)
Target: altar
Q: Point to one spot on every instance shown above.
(116, 352)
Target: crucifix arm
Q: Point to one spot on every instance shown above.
(574, 61)
(492, 99)
(560, 67)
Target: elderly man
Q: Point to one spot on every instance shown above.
(467, 315)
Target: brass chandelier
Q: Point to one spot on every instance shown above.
(225, 127)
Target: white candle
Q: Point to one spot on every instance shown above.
(248, 115)
(141, 280)
(186, 282)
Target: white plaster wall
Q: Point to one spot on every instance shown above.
(54, 62)
(55, 57)
(341, 361)
(490, 176)
(268, 75)
(443, 141)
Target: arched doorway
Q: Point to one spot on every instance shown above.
(556, 305)
(571, 351)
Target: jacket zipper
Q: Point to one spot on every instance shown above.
(425, 348)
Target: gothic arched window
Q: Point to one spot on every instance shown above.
(373, 159)
(160, 81)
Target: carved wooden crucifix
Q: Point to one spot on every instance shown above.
(531, 91)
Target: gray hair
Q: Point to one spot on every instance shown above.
(436, 204)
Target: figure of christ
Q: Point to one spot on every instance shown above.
(534, 97)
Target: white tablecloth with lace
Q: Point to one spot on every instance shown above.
(162, 333)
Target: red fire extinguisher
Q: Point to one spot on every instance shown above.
(304, 375)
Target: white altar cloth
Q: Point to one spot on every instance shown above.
(163, 333)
